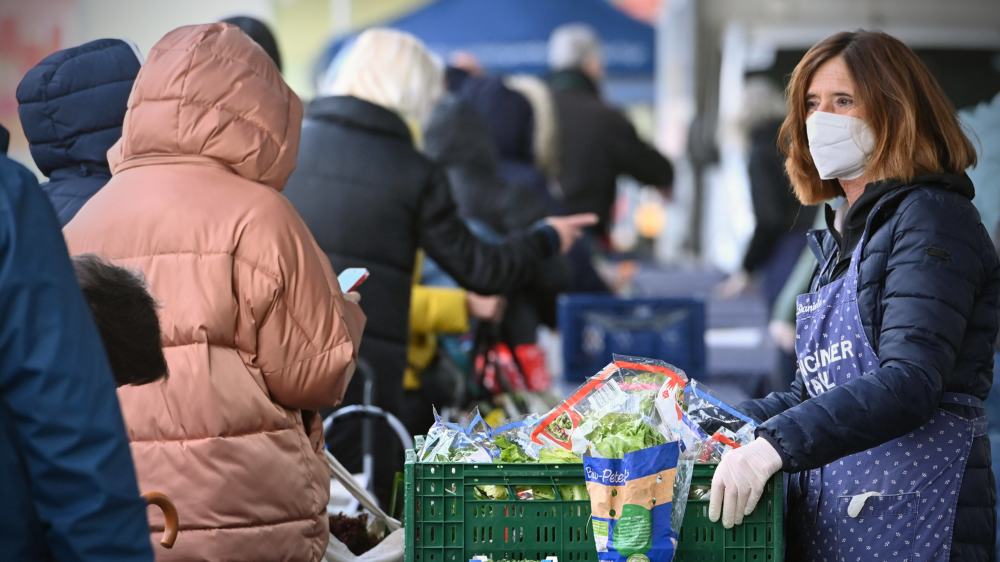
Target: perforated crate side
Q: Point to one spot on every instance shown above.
(445, 522)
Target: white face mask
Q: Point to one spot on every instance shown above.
(839, 144)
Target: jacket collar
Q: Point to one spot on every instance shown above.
(573, 80)
(883, 197)
(358, 113)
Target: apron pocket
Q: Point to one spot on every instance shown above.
(883, 527)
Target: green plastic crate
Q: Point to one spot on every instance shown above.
(761, 537)
(446, 523)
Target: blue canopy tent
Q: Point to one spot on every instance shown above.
(511, 36)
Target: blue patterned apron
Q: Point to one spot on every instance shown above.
(896, 501)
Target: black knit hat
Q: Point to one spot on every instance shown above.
(260, 33)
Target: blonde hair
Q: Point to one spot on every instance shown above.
(915, 126)
(546, 140)
(389, 68)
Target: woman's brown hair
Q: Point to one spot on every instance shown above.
(915, 127)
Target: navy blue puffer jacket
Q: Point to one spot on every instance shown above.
(928, 293)
(67, 482)
(72, 105)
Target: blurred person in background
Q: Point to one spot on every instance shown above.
(510, 122)
(260, 33)
(597, 143)
(984, 123)
(71, 107)
(372, 200)
(779, 234)
(545, 139)
(461, 66)
(438, 308)
(456, 138)
(256, 332)
(781, 324)
(66, 476)
(883, 430)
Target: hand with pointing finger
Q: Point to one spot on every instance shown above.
(570, 228)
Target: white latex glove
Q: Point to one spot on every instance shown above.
(739, 480)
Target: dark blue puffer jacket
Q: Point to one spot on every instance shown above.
(928, 294)
(72, 105)
(67, 482)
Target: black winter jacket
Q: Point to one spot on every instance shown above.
(71, 106)
(776, 209)
(372, 200)
(928, 292)
(596, 145)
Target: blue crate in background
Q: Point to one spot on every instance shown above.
(594, 327)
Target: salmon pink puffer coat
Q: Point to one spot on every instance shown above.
(255, 330)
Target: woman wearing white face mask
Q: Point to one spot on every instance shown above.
(882, 430)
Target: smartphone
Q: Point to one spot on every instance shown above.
(352, 278)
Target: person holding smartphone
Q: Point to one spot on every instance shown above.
(256, 332)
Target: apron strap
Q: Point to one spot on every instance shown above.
(979, 425)
(960, 399)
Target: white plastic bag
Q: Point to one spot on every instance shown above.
(390, 549)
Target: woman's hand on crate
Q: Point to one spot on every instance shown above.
(739, 481)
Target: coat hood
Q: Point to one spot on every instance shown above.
(457, 140)
(507, 114)
(209, 93)
(457, 135)
(72, 104)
